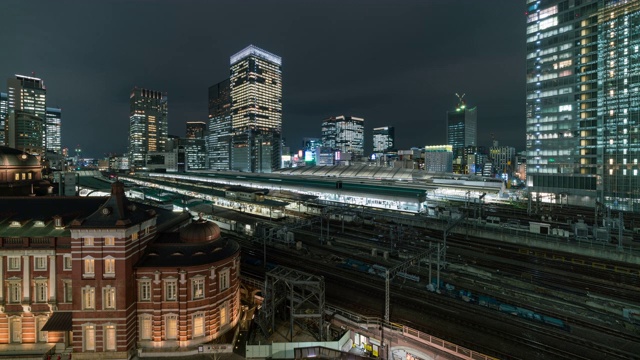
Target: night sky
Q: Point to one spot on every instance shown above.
(397, 63)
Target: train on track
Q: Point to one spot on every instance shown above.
(492, 303)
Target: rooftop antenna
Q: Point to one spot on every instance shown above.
(461, 102)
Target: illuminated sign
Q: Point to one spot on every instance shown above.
(308, 156)
(337, 156)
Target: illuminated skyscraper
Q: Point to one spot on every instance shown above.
(581, 107)
(462, 128)
(383, 139)
(148, 124)
(3, 116)
(256, 110)
(53, 127)
(344, 133)
(26, 105)
(219, 137)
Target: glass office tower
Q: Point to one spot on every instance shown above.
(383, 139)
(256, 110)
(619, 104)
(344, 133)
(219, 127)
(580, 101)
(4, 102)
(53, 130)
(26, 103)
(148, 124)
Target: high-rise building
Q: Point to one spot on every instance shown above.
(196, 129)
(148, 124)
(618, 98)
(344, 133)
(462, 127)
(4, 109)
(219, 126)
(383, 139)
(582, 124)
(26, 105)
(53, 127)
(256, 110)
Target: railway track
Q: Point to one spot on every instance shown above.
(410, 295)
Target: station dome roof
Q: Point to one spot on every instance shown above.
(200, 231)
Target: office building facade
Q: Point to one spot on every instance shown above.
(256, 110)
(582, 139)
(4, 109)
(344, 133)
(192, 154)
(148, 124)
(26, 106)
(219, 126)
(53, 130)
(462, 128)
(383, 139)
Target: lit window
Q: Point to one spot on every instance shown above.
(42, 335)
(110, 266)
(224, 279)
(89, 267)
(109, 241)
(110, 337)
(109, 297)
(88, 241)
(89, 338)
(145, 327)
(198, 288)
(171, 327)
(224, 314)
(171, 290)
(198, 325)
(40, 262)
(134, 236)
(88, 298)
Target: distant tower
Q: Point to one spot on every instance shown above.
(4, 103)
(462, 127)
(383, 139)
(53, 128)
(26, 114)
(148, 124)
(344, 133)
(219, 126)
(256, 110)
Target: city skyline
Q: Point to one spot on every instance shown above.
(328, 68)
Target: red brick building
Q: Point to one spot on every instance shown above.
(96, 277)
